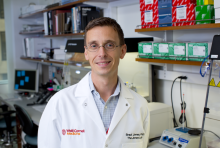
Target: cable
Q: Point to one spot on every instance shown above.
(203, 74)
(180, 119)
(174, 119)
(213, 133)
(181, 90)
(206, 131)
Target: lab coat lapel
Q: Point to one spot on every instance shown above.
(87, 101)
(121, 108)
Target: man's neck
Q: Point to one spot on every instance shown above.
(105, 85)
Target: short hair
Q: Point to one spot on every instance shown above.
(105, 21)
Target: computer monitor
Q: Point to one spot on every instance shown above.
(26, 80)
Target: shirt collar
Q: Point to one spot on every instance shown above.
(92, 87)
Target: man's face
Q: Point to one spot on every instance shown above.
(103, 62)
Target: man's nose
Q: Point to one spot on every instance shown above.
(102, 51)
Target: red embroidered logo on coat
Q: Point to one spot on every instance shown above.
(64, 131)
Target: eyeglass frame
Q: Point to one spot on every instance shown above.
(103, 47)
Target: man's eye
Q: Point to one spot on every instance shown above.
(109, 45)
(93, 45)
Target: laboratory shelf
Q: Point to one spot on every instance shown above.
(60, 63)
(63, 35)
(31, 32)
(199, 26)
(65, 6)
(193, 63)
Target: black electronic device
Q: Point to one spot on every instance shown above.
(43, 98)
(215, 50)
(132, 43)
(75, 46)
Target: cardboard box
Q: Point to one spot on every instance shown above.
(205, 2)
(205, 12)
(148, 5)
(145, 49)
(177, 51)
(164, 3)
(165, 17)
(183, 2)
(198, 51)
(160, 50)
(183, 13)
(217, 15)
(150, 19)
(216, 3)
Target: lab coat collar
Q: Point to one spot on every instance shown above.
(84, 94)
(83, 88)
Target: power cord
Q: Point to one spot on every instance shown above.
(181, 117)
(174, 119)
(206, 131)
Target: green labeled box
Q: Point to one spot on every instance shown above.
(160, 50)
(177, 51)
(205, 12)
(198, 51)
(145, 50)
(204, 2)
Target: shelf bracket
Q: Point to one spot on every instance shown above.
(168, 36)
(167, 67)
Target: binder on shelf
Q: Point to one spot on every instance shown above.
(46, 24)
(84, 12)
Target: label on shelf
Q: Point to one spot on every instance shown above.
(148, 2)
(199, 50)
(147, 48)
(179, 50)
(148, 16)
(163, 48)
(181, 12)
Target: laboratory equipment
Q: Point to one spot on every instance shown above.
(161, 118)
(26, 80)
(177, 139)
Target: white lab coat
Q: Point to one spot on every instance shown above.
(73, 110)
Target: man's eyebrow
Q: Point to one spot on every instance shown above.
(91, 42)
(106, 41)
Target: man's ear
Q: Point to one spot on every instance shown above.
(86, 53)
(123, 51)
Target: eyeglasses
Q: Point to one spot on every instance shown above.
(95, 47)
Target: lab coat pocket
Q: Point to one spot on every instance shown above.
(132, 145)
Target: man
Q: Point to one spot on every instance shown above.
(99, 111)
